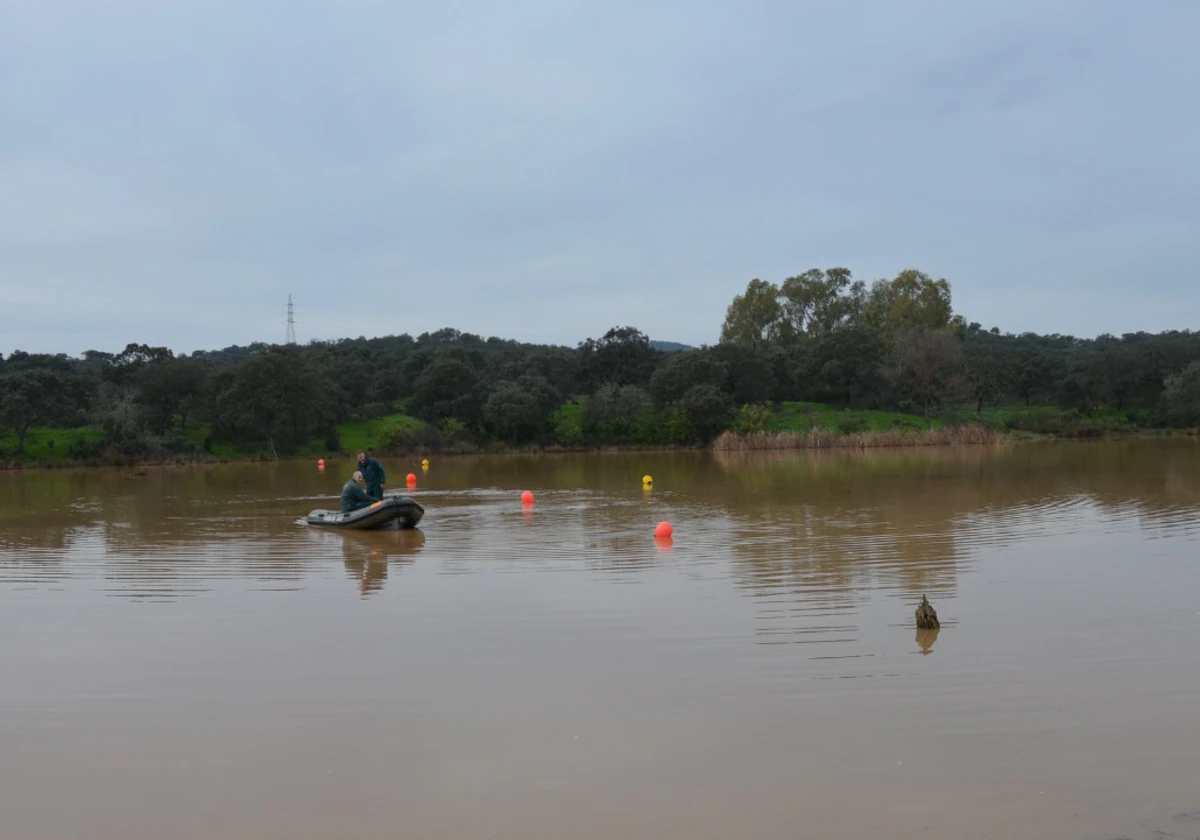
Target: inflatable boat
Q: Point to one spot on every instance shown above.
(392, 511)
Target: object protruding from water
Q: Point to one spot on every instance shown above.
(647, 480)
(527, 499)
(663, 530)
(320, 463)
(411, 480)
(927, 618)
(425, 464)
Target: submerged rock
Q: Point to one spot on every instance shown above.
(926, 616)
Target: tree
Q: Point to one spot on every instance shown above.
(622, 356)
(1181, 396)
(818, 302)
(928, 366)
(169, 386)
(279, 391)
(753, 318)
(1035, 373)
(520, 411)
(512, 413)
(708, 411)
(448, 388)
(845, 368)
(683, 371)
(30, 398)
(614, 411)
(750, 376)
(911, 300)
(1108, 373)
(133, 358)
(988, 369)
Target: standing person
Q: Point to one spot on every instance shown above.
(373, 474)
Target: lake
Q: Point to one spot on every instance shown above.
(182, 659)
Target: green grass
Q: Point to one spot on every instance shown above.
(568, 423)
(366, 434)
(1053, 420)
(47, 444)
(802, 416)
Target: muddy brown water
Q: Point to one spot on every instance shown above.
(179, 658)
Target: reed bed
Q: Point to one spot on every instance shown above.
(817, 438)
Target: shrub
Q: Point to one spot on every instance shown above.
(407, 438)
(852, 424)
(175, 441)
(83, 449)
(568, 431)
(453, 429)
(333, 439)
(752, 418)
(708, 411)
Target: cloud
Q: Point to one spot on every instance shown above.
(546, 171)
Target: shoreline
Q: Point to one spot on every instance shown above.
(726, 442)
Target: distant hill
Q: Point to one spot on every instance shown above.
(670, 346)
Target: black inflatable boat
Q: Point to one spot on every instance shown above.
(392, 512)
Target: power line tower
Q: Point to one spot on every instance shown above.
(291, 331)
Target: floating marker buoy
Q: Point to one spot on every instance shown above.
(425, 464)
(663, 530)
(320, 463)
(526, 498)
(647, 480)
(412, 479)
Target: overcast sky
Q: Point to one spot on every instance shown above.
(547, 169)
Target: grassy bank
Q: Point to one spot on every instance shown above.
(788, 425)
(803, 416)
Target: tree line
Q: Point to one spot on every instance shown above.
(820, 336)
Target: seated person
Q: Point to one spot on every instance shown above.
(354, 497)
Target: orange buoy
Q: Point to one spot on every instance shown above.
(320, 462)
(412, 479)
(526, 498)
(663, 530)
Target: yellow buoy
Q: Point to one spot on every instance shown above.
(425, 464)
(647, 480)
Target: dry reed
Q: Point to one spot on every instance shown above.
(817, 438)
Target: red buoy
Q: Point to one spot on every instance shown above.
(663, 530)
(412, 479)
(526, 498)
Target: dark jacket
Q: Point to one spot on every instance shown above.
(354, 497)
(373, 477)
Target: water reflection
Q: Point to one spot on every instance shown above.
(822, 531)
(925, 640)
(368, 555)
(562, 671)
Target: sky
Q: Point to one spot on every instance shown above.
(547, 169)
